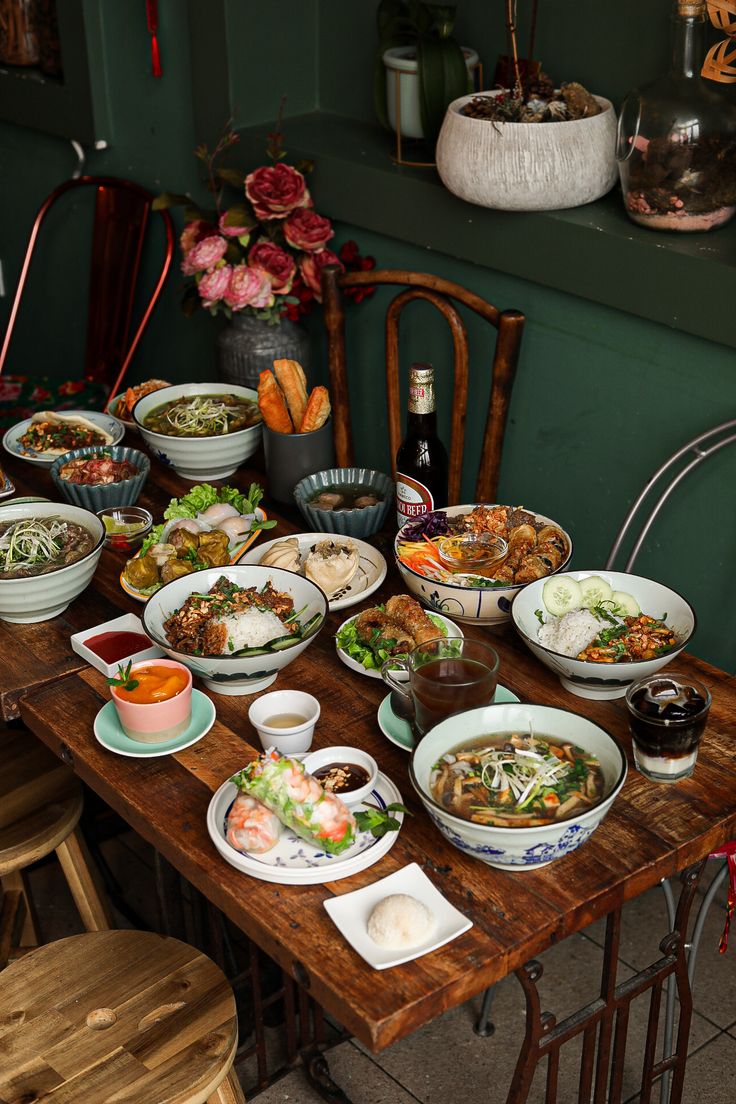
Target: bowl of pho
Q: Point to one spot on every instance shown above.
(236, 626)
(517, 786)
(48, 554)
(203, 430)
(601, 631)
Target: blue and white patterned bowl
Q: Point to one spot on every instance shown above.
(517, 848)
(102, 495)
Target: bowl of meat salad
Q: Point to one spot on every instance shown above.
(97, 478)
(238, 626)
(601, 631)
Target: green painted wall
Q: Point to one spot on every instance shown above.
(601, 396)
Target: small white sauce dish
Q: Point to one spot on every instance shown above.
(352, 755)
(127, 623)
(289, 739)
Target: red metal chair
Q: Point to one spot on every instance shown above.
(121, 219)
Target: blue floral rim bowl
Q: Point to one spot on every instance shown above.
(518, 848)
(360, 524)
(99, 496)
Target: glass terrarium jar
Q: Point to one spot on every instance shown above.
(677, 139)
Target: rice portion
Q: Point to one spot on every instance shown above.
(251, 628)
(570, 633)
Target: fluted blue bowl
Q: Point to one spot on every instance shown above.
(99, 497)
(348, 523)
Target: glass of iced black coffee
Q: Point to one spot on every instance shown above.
(667, 717)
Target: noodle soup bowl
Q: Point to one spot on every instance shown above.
(41, 597)
(198, 458)
(517, 848)
(236, 674)
(603, 681)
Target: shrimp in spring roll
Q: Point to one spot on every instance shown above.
(251, 826)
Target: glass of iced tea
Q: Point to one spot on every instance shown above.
(667, 717)
(446, 676)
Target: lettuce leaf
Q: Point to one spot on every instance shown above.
(372, 656)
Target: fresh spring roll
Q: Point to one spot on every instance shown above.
(251, 826)
(299, 801)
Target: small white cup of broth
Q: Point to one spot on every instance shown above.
(285, 720)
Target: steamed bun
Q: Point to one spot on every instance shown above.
(332, 564)
(399, 922)
(284, 554)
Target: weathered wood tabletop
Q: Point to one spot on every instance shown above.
(652, 830)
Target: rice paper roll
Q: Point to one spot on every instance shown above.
(299, 801)
(251, 826)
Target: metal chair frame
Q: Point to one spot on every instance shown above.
(122, 210)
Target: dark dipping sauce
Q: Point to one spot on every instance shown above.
(114, 646)
(339, 778)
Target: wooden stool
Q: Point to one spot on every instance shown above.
(122, 1016)
(40, 806)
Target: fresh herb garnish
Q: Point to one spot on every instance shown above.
(123, 679)
(379, 821)
(539, 616)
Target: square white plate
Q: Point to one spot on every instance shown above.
(127, 623)
(350, 913)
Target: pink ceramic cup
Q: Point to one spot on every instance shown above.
(156, 722)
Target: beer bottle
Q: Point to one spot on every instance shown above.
(421, 462)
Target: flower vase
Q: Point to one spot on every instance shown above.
(248, 346)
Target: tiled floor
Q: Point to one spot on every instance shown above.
(445, 1062)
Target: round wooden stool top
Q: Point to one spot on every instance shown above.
(40, 800)
(121, 1016)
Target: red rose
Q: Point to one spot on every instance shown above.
(276, 190)
(304, 229)
(311, 267)
(279, 266)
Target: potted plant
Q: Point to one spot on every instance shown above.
(420, 67)
(530, 146)
(258, 260)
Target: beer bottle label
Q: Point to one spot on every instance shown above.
(412, 499)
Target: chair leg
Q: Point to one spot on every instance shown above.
(229, 1091)
(84, 883)
(16, 882)
(483, 1025)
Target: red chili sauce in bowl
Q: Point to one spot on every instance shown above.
(114, 646)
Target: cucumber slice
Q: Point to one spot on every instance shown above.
(252, 652)
(625, 605)
(310, 624)
(561, 594)
(595, 590)
(283, 642)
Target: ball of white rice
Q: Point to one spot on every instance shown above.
(251, 628)
(570, 633)
(400, 921)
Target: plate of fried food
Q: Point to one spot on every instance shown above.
(365, 641)
(6, 486)
(121, 406)
(49, 434)
(348, 570)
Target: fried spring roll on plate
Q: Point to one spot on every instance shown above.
(293, 383)
(272, 405)
(317, 412)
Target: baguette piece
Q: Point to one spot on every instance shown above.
(293, 383)
(272, 405)
(317, 412)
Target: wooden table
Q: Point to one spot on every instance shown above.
(652, 832)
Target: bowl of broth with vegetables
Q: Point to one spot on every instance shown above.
(351, 501)
(203, 430)
(515, 785)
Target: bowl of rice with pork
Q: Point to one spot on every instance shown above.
(236, 627)
(605, 630)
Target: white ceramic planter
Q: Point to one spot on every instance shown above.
(527, 166)
(401, 65)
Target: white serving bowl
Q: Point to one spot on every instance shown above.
(603, 681)
(41, 597)
(471, 605)
(228, 674)
(344, 754)
(295, 739)
(199, 458)
(517, 848)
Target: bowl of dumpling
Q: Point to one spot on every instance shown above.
(351, 501)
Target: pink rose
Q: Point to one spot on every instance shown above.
(233, 231)
(275, 191)
(304, 229)
(249, 287)
(311, 269)
(204, 255)
(213, 285)
(279, 266)
(193, 232)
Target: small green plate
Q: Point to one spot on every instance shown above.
(399, 732)
(111, 736)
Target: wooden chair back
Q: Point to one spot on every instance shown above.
(442, 294)
(121, 217)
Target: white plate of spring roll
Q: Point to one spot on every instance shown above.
(348, 570)
(293, 861)
(380, 632)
